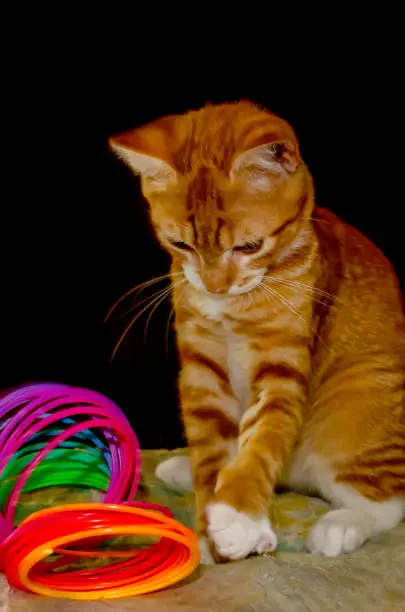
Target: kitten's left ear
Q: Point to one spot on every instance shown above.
(148, 152)
(267, 153)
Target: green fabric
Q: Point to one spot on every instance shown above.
(291, 514)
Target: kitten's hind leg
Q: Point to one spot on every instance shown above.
(355, 453)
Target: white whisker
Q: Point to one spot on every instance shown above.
(307, 290)
(284, 301)
(159, 297)
(169, 318)
(300, 284)
(137, 289)
(272, 292)
(162, 299)
(147, 299)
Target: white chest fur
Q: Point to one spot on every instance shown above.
(238, 365)
(215, 308)
(211, 306)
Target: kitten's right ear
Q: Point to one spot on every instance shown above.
(147, 151)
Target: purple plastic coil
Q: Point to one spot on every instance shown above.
(29, 412)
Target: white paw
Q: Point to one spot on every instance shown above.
(339, 531)
(236, 535)
(206, 557)
(176, 473)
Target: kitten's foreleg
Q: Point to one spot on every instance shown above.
(238, 517)
(210, 415)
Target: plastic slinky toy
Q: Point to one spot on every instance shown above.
(56, 435)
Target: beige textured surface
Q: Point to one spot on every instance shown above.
(373, 579)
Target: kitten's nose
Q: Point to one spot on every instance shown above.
(215, 281)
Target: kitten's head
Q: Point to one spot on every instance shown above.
(227, 189)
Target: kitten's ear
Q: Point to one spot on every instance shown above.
(147, 151)
(265, 165)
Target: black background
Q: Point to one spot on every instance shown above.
(75, 234)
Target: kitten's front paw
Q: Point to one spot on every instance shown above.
(237, 535)
(339, 531)
(176, 473)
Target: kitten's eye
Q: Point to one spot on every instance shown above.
(250, 247)
(179, 244)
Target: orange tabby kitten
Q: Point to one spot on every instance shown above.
(290, 330)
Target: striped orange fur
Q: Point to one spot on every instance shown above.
(290, 330)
